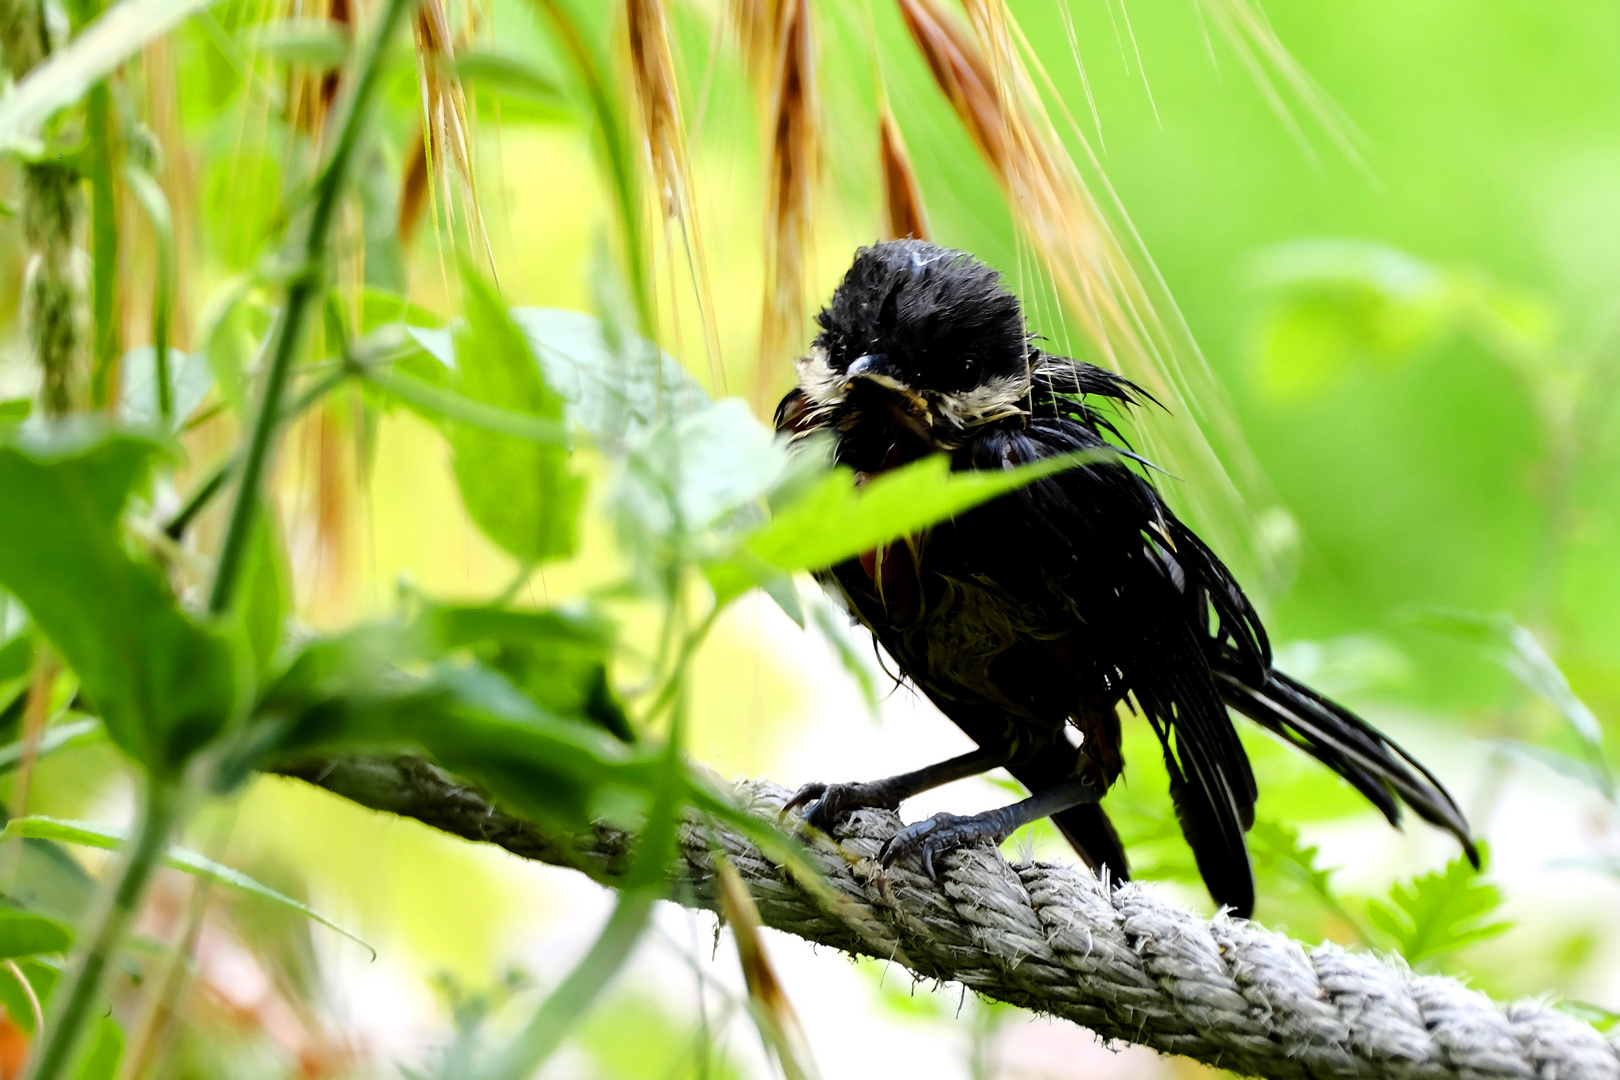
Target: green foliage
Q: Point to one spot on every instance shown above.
(617, 385)
(344, 694)
(523, 495)
(25, 934)
(834, 627)
(318, 44)
(55, 737)
(1605, 1020)
(69, 74)
(190, 380)
(106, 1050)
(560, 659)
(163, 684)
(1518, 651)
(1346, 303)
(835, 518)
(266, 594)
(92, 834)
(1281, 859)
(1439, 913)
(663, 1048)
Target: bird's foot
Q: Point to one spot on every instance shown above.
(828, 804)
(939, 834)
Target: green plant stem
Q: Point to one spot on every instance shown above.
(103, 241)
(72, 1003)
(556, 1017)
(151, 197)
(306, 287)
(177, 525)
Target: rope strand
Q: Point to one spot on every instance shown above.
(1052, 939)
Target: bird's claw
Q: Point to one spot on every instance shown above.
(937, 835)
(828, 804)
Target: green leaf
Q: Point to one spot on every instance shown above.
(25, 934)
(509, 74)
(836, 519)
(785, 594)
(319, 44)
(558, 658)
(1277, 848)
(163, 684)
(521, 494)
(266, 593)
(1605, 1020)
(1439, 912)
(613, 394)
(101, 1063)
(348, 694)
(190, 379)
(1521, 653)
(380, 307)
(13, 410)
(688, 478)
(118, 34)
(107, 838)
(41, 977)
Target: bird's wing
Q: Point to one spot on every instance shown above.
(1110, 563)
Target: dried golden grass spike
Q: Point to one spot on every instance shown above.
(902, 198)
(794, 154)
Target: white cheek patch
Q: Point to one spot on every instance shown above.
(820, 383)
(988, 401)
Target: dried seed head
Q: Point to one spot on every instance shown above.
(902, 199)
(794, 155)
(1127, 320)
(652, 69)
(54, 312)
(413, 189)
(443, 144)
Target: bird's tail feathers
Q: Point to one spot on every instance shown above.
(1213, 816)
(1371, 762)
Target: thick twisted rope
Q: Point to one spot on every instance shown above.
(1052, 939)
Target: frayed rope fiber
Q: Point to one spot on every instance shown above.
(1052, 939)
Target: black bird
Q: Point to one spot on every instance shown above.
(1029, 619)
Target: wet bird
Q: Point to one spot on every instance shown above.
(1032, 619)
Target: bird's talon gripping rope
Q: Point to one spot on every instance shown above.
(938, 835)
(828, 804)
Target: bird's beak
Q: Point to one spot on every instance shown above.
(874, 368)
(870, 364)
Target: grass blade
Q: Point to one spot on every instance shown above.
(107, 838)
(63, 79)
(773, 1014)
(55, 738)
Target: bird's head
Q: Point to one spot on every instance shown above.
(920, 337)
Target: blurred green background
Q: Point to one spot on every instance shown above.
(1421, 345)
